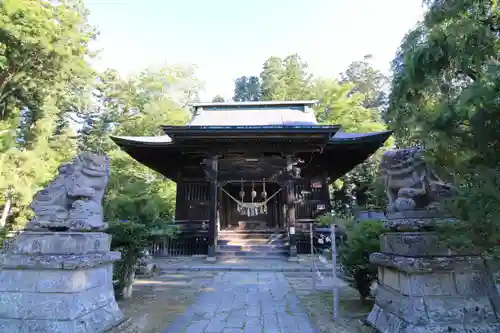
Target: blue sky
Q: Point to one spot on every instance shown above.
(225, 39)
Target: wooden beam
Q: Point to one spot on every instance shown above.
(212, 172)
(290, 216)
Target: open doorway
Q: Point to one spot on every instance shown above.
(232, 217)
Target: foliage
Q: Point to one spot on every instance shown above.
(324, 220)
(339, 105)
(477, 209)
(43, 51)
(285, 79)
(131, 237)
(43, 78)
(445, 98)
(368, 81)
(141, 199)
(362, 239)
(247, 89)
(33, 167)
(218, 99)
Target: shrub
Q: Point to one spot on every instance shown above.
(361, 241)
(131, 238)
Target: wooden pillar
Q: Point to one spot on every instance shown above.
(212, 227)
(180, 200)
(290, 217)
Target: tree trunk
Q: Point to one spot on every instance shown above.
(5, 213)
(128, 283)
(363, 284)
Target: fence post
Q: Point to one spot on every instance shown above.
(334, 264)
(311, 230)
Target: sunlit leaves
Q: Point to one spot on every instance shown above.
(445, 97)
(43, 51)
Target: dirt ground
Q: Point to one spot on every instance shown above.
(319, 306)
(158, 300)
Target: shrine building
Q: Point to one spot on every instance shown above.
(251, 168)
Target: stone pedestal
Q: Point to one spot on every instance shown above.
(58, 282)
(145, 265)
(424, 287)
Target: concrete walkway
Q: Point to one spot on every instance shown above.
(248, 302)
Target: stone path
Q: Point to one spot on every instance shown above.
(245, 302)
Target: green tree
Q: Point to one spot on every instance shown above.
(43, 51)
(138, 200)
(25, 171)
(43, 78)
(445, 98)
(285, 79)
(247, 89)
(368, 81)
(338, 104)
(273, 85)
(296, 78)
(218, 99)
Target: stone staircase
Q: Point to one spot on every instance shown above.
(252, 244)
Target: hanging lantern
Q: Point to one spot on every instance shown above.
(254, 193)
(242, 191)
(264, 193)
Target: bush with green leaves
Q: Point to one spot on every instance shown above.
(362, 240)
(476, 211)
(131, 238)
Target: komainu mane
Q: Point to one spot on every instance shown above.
(410, 183)
(73, 200)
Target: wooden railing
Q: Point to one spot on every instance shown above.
(191, 239)
(183, 245)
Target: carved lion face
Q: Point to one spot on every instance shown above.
(401, 158)
(94, 161)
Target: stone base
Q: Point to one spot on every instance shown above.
(58, 282)
(145, 270)
(211, 259)
(426, 288)
(252, 225)
(385, 322)
(99, 320)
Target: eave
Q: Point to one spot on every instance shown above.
(340, 154)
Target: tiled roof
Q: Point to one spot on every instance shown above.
(253, 117)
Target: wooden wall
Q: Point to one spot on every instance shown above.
(192, 201)
(193, 209)
(193, 204)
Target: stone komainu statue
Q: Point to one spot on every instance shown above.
(410, 183)
(73, 200)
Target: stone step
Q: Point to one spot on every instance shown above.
(242, 252)
(276, 264)
(252, 234)
(253, 247)
(226, 253)
(252, 255)
(252, 242)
